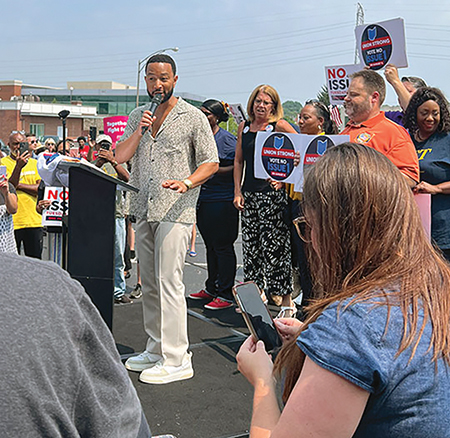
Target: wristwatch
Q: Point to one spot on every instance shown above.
(187, 183)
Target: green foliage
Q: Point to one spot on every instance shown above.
(322, 96)
(291, 110)
(230, 126)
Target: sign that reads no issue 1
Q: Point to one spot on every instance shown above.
(275, 153)
(277, 156)
(382, 43)
(338, 81)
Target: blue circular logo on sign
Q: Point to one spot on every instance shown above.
(278, 154)
(376, 46)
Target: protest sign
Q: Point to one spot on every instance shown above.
(382, 43)
(275, 153)
(337, 77)
(114, 127)
(237, 111)
(316, 146)
(52, 216)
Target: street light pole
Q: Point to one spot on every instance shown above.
(141, 63)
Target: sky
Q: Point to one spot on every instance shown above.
(226, 48)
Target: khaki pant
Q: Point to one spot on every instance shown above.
(161, 249)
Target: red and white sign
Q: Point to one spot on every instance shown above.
(59, 200)
(114, 127)
(337, 77)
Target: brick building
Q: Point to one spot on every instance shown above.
(26, 112)
(35, 108)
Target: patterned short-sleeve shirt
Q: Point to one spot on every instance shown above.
(184, 142)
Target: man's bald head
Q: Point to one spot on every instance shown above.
(14, 141)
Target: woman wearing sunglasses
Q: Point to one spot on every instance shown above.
(372, 357)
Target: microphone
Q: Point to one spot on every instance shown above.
(154, 104)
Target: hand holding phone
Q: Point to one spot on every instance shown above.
(256, 315)
(23, 147)
(93, 133)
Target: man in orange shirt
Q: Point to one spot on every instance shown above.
(369, 126)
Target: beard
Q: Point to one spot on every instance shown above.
(165, 96)
(356, 109)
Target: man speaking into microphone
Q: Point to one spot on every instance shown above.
(172, 153)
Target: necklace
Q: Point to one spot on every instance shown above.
(419, 137)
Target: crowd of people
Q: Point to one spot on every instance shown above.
(368, 352)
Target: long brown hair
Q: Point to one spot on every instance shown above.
(368, 238)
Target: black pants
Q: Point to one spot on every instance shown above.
(127, 253)
(218, 224)
(299, 258)
(32, 241)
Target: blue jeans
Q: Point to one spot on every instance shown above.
(119, 263)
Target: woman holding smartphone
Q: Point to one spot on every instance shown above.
(372, 357)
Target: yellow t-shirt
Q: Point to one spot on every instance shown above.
(26, 216)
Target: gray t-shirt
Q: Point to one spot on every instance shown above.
(406, 399)
(61, 374)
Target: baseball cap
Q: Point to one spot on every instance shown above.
(104, 137)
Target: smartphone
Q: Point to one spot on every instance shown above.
(3, 171)
(256, 315)
(93, 132)
(105, 145)
(23, 147)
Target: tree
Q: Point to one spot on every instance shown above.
(230, 126)
(291, 110)
(322, 96)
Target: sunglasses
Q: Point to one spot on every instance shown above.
(33, 141)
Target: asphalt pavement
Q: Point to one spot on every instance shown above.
(216, 402)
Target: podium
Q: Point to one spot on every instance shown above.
(91, 230)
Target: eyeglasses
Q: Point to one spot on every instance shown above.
(263, 102)
(17, 132)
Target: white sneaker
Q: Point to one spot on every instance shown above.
(142, 361)
(160, 373)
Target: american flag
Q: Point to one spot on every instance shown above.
(335, 115)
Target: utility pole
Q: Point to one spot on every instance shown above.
(359, 21)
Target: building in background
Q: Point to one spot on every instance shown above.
(35, 109)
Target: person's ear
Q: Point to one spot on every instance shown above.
(375, 97)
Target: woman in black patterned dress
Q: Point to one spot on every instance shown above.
(265, 233)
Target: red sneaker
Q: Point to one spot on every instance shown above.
(218, 304)
(202, 295)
